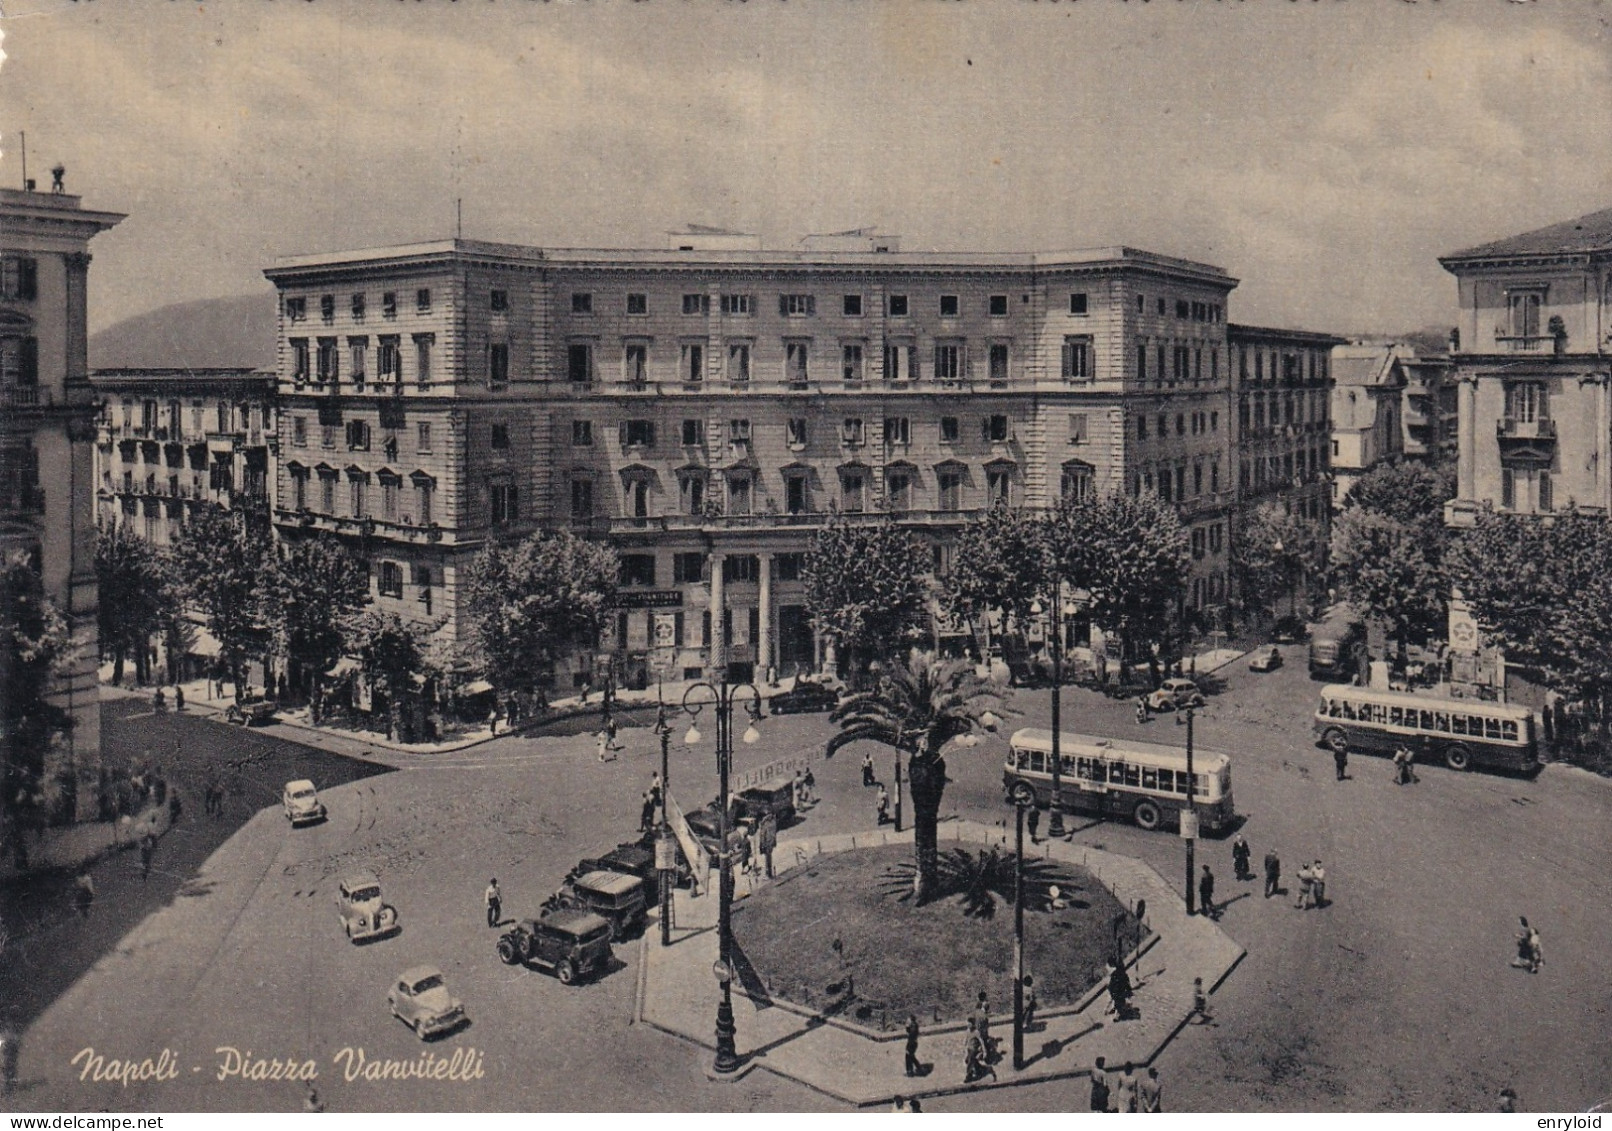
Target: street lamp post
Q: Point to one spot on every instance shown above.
(1189, 816)
(665, 850)
(1018, 939)
(1055, 827)
(727, 1057)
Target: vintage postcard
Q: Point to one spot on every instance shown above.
(798, 556)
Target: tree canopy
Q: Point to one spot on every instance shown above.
(866, 590)
(317, 587)
(1405, 490)
(135, 584)
(34, 645)
(225, 565)
(1130, 553)
(1001, 561)
(531, 602)
(1273, 552)
(1387, 569)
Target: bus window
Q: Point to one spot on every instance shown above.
(1348, 710)
(1038, 762)
(1199, 786)
(1116, 772)
(1133, 775)
(1441, 721)
(1474, 726)
(1396, 717)
(1167, 781)
(1150, 778)
(1491, 728)
(1458, 724)
(1181, 781)
(1334, 709)
(1379, 713)
(1427, 720)
(1067, 762)
(1508, 730)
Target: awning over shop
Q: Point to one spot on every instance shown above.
(476, 687)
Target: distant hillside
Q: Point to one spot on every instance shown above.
(213, 332)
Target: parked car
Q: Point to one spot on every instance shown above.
(302, 804)
(420, 999)
(1264, 661)
(1289, 630)
(571, 944)
(618, 898)
(253, 712)
(363, 914)
(804, 696)
(629, 859)
(1175, 694)
(779, 800)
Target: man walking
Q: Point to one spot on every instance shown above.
(1206, 893)
(1318, 884)
(1340, 759)
(148, 845)
(982, 1025)
(646, 815)
(1034, 822)
(882, 806)
(495, 902)
(1125, 1097)
(1149, 1093)
(1273, 873)
(1240, 855)
(1099, 1086)
(867, 769)
(1306, 879)
(913, 1067)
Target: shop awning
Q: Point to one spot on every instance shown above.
(476, 687)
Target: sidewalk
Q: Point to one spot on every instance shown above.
(72, 847)
(678, 995)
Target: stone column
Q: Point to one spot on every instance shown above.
(1466, 430)
(763, 640)
(719, 652)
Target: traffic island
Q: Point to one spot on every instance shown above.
(847, 1041)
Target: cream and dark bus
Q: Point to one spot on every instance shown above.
(1460, 733)
(1142, 782)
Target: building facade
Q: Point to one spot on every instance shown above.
(1431, 409)
(47, 431)
(1367, 404)
(708, 407)
(1531, 354)
(1282, 418)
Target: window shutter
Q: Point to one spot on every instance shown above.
(985, 428)
(29, 374)
(783, 304)
(1068, 361)
(621, 433)
(28, 279)
(811, 304)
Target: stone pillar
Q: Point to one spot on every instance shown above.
(1466, 430)
(763, 641)
(719, 649)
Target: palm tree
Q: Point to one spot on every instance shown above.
(919, 706)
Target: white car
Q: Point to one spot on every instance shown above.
(302, 804)
(420, 999)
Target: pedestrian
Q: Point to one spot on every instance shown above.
(179, 698)
(1099, 1086)
(1125, 1090)
(882, 806)
(1240, 855)
(655, 787)
(1034, 821)
(1404, 764)
(159, 702)
(1031, 1004)
(311, 1100)
(587, 686)
(492, 717)
(1273, 873)
(1119, 991)
(1141, 710)
(1149, 1093)
(982, 1024)
(1200, 1004)
(899, 1103)
(495, 902)
(174, 807)
(1306, 879)
(979, 1051)
(914, 1105)
(1340, 759)
(604, 747)
(646, 815)
(913, 1067)
(1536, 951)
(767, 839)
(1206, 893)
(799, 783)
(973, 1055)
(1318, 884)
(83, 894)
(1508, 1100)
(147, 847)
(610, 732)
(867, 769)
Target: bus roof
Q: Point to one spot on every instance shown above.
(1143, 753)
(1424, 702)
(1340, 617)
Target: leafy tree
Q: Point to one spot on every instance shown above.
(1406, 491)
(865, 588)
(1273, 552)
(530, 603)
(1387, 569)
(317, 587)
(918, 705)
(35, 646)
(392, 652)
(135, 585)
(1001, 562)
(1131, 554)
(225, 566)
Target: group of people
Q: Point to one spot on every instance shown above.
(159, 701)
(1123, 1090)
(1312, 876)
(980, 1053)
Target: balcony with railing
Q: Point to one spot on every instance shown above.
(20, 397)
(770, 520)
(1515, 428)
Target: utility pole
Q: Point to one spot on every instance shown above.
(1018, 941)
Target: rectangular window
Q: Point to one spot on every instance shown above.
(797, 497)
(389, 579)
(693, 433)
(358, 490)
(296, 309)
(1523, 308)
(1077, 427)
(851, 306)
(423, 489)
(637, 433)
(299, 489)
(498, 302)
(1077, 351)
(389, 304)
(1508, 487)
(422, 357)
(999, 306)
(422, 300)
(358, 308)
(739, 433)
(1183, 309)
(696, 304)
(898, 306)
(579, 363)
(851, 431)
(357, 436)
(299, 432)
(797, 305)
(388, 359)
(299, 359)
(1547, 501)
(327, 436)
(389, 493)
(692, 363)
(950, 485)
(329, 368)
(948, 361)
(504, 500)
(637, 304)
(797, 357)
(851, 362)
(1077, 304)
(739, 496)
(327, 309)
(949, 430)
(497, 363)
(1525, 402)
(790, 566)
(948, 306)
(738, 304)
(739, 362)
(638, 569)
(795, 433)
(996, 428)
(998, 362)
(581, 303)
(900, 363)
(581, 433)
(691, 493)
(498, 436)
(999, 485)
(358, 359)
(897, 430)
(1141, 360)
(423, 440)
(688, 568)
(327, 493)
(635, 363)
(1078, 483)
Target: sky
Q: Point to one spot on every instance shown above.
(1325, 152)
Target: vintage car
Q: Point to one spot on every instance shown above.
(1175, 694)
(621, 900)
(420, 999)
(1289, 630)
(252, 712)
(1264, 661)
(302, 804)
(803, 697)
(779, 800)
(363, 914)
(635, 858)
(571, 944)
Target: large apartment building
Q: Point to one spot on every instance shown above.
(1531, 355)
(47, 429)
(707, 407)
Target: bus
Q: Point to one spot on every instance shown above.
(1461, 733)
(1338, 645)
(1143, 782)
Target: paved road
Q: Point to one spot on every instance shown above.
(1397, 997)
